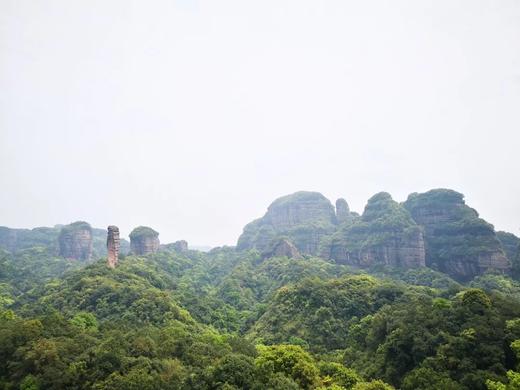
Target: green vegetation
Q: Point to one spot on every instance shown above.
(510, 243)
(230, 320)
(15, 240)
(233, 318)
(385, 224)
(455, 235)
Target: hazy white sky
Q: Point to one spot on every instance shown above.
(192, 116)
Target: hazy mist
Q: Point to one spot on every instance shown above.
(192, 116)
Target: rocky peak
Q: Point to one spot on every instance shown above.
(382, 204)
(438, 206)
(283, 248)
(298, 209)
(342, 210)
(113, 243)
(144, 240)
(75, 241)
(304, 217)
(458, 242)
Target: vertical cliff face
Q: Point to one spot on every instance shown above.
(384, 235)
(458, 242)
(144, 240)
(113, 243)
(304, 217)
(75, 241)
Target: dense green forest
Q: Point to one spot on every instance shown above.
(229, 319)
(236, 318)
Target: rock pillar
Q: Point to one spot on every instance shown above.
(112, 246)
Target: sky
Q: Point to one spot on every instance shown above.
(193, 116)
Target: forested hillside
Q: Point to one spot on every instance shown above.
(279, 311)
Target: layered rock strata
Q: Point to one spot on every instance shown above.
(75, 241)
(303, 217)
(113, 244)
(458, 242)
(384, 235)
(144, 241)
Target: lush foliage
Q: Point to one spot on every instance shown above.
(230, 319)
(143, 231)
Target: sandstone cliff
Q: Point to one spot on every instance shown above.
(144, 240)
(458, 242)
(303, 217)
(113, 245)
(384, 235)
(75, 241)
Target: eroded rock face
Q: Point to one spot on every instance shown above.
(407, 252)
(144, 240)
(304, 217)
(384, 235)
(458, 242)
(113, 243)
(283, 248)
(75, 241)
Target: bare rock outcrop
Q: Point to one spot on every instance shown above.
(283, 248)
(75, 241)
(144, 240)
(113, 244)
(458, 242)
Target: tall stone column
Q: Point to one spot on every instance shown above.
(112, 246)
